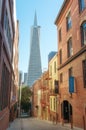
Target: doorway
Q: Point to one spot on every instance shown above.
(66, 111)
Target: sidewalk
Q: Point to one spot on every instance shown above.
(15, 125)
(18, 124)
(65, 126)
(68, 127)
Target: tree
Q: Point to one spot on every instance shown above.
(25, 99)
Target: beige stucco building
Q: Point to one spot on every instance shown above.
(53, 86)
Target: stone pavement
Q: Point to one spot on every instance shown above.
(15, 125)
(36, 124)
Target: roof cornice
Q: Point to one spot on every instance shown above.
(62, 7)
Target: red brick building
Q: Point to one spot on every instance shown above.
(36, 98)
(40, 98)
(71, 25)
(7, 76)
(14, 87)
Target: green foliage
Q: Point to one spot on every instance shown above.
(25, 98)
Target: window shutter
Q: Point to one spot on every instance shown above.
(84, 72)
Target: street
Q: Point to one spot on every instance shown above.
(35, 124)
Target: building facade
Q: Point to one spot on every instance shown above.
(15, 83)
(36, 98)
(53, 87)
(71, 25)
(45, 96)
(40, 98)
(7, 33)
(34, 68)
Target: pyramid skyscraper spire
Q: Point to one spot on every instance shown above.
(34, 68)
(35, 19)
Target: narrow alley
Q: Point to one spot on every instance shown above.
(43, 65)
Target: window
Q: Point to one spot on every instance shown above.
(54, 104)
(60, 54)
(60, 35)
(0, 9)
(50, 70)
(69, 47)
(84, 73)
(11, 3)
(56, 85)
(0, 44)
(61, 78)
(69, 21)
(5, 82)
(81, 5)
(70, 72)
(83, 33)
(51, 103)
(55, 67)
(7, 30)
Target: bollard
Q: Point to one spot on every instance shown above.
(62, 122)
(84, 122)
(56, 118)
(71, 122)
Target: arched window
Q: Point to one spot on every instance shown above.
(69, 21)
(69, 47)
(81, 5)
(83, 33)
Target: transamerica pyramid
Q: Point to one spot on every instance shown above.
(34, 68)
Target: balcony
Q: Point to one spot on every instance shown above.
(55, 90)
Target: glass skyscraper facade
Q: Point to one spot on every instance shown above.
(34, 68)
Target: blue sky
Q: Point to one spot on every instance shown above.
(47, 11)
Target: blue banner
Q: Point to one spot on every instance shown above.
(71, 84)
